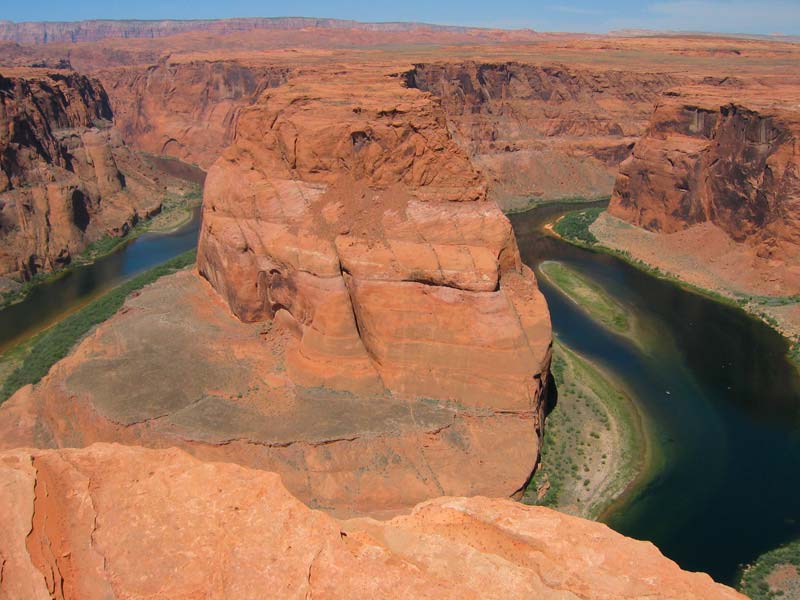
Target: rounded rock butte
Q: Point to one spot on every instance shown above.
(353, 220)
(388, 346)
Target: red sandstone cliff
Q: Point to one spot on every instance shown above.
(185, 109)
(722, 155)
(350, 212)
(66, 177)
(543, 131)
(122, 522)
(347, 214)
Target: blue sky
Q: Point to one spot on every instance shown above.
(764, 16)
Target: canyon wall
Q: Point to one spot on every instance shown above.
(725, 156)
(185, 109)
(113, 521)
(543, 131)
(66, 177)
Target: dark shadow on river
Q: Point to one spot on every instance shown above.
(721, 395)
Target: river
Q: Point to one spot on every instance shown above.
(52, 301)
(722, 398)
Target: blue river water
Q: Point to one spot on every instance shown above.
(721, 396)
(50, 302)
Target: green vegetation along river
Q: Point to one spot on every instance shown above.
(52, 301)
(716, 387)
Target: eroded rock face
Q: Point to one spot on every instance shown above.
(351, 214)
(384, 338)
(115, 521)
(543, 131)
(175, 368)
(62, 183)
(95, 30)
(185, 109)
(729, 157)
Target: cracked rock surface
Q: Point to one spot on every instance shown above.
(175, 368)
(112, 521)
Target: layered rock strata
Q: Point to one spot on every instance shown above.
(357, 219)
(543, 131)
(728, 157)
(118, 522)
(185, 109)
(66, 177)
(100, 29)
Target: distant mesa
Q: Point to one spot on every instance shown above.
(44, 32)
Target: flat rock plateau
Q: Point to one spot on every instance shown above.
(359, 327)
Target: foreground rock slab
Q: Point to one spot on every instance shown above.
(112, 521)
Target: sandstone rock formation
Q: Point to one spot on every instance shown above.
(351, 214)
(393, 345)
(543, 131)
(722, 155)
(66, 177)
(119, 522)
(185, 109)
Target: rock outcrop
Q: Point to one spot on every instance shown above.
(349, 213)
(728, 156)
(185, 109)
(543, 131)
(115, 521)
(66, 177)
(389, 347)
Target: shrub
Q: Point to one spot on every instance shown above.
(575, 225)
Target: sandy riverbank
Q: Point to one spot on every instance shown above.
(596, 444)
(592, 299)
(706, 259)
